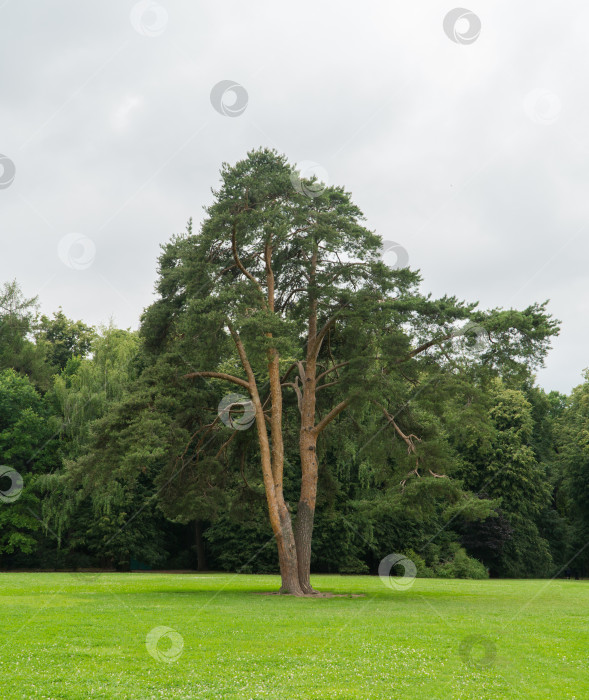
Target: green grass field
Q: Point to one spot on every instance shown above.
(80, 636)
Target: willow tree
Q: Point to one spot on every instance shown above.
(283, 295)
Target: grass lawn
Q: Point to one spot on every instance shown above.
(81, 635)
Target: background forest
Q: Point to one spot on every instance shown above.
(66, 389)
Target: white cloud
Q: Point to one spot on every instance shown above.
(121, 115)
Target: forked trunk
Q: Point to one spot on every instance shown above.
(280, 519)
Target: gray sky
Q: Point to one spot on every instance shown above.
(469, 152)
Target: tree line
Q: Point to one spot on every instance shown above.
(290, 403)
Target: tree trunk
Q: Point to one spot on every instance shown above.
(306, 508)
(303, 538)
(279, 515)
(199, 545)
(287, 557)
(287, 550)
(281, 522)
(308, 446)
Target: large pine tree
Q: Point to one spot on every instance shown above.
(283, 295)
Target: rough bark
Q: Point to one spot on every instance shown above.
(199, 546)
(303, 538)
(306, 508)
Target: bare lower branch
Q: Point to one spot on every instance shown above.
(438, 476)
(331, 369)
(295, 386)
(302, 373)
(413, 471)
(324, 386)
(218, 375)
(409, 441)
(225, 445)
(324, 422)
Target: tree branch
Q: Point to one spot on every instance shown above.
(332, 369)
(295, 386)
(318, 340)
(324, 422)
(225, 445)
(218, 375)
(423, 347)
(408, 439)
(239, 263)
(324, 386)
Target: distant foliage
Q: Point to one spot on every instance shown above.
(124, 461)
(462, 566)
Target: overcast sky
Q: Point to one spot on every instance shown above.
(468, 149)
